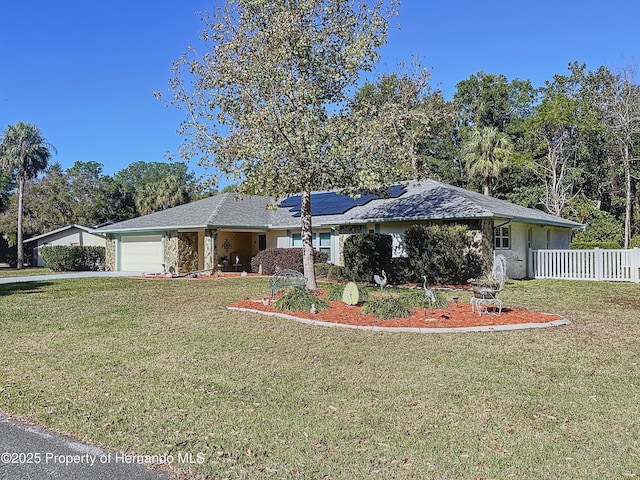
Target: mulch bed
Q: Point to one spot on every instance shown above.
(455, 316)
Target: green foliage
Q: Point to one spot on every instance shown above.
(154, 186)
(273, 259)
(321, 269)
(24, 153)
(444, 254)
(301, 300)
(336, 272)
(387, 308)
(366, 255)
(486, 153)
(415, 298)
(63, 258)
(592, 245)
(600, 226)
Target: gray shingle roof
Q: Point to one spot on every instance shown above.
(423, 200)
(223, 210)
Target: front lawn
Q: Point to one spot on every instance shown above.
(157, 366)
(24, 272)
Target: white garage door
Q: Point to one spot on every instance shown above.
(141, 254)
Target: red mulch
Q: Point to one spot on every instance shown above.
(452, 317)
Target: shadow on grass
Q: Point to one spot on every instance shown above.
(22, 287)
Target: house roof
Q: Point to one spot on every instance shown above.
(218, 211)
(84, 228)
(420, 200)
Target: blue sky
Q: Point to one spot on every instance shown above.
(84, 71)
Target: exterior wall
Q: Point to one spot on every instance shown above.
(171, 251)
(396, 230)
(516, 255)
(187, 252)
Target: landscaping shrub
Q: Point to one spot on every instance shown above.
(386, 308)
(62, 258)
(300, 300)
(415, 299)
(601, 226)
(283, 258)
(592, 245)
(366, 255)
(336, 272)
(445, 254)
(321, 269)
(399, 271)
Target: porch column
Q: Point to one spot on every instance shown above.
(171, 256)
(210, 249)
(110, 253)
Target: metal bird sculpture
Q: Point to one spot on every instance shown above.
(428, 294)
(382, 281)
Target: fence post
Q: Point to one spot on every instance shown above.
(635, 265)
(597, 263)
(530, 272)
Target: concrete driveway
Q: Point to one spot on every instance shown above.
(58, 276)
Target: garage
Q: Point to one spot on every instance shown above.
(141, 254)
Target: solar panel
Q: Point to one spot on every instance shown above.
(333, 203)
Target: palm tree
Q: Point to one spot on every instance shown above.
(486, 153)
(23, 153)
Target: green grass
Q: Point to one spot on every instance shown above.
(24, 272)
(155, 366)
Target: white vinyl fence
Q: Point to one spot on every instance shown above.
(597, 264)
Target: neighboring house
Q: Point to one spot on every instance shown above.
(69, 235)
(220, 231)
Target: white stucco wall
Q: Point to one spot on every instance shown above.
(526, 236)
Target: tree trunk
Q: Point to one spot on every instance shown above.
(307, 241)
(20, 261)
(486, 188)
(628, 192)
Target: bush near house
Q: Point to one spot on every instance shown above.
(446, 254)
(272, 259)
(592, 245)
(366, 255)
(63, 258)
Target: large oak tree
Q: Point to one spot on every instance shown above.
(264, 95)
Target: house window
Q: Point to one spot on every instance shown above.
(296, 240)
(324, 243)
(321, 241)
(502, 238)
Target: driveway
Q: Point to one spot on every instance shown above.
(29, 452)
(58, 276)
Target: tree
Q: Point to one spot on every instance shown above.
(402, 122)
(620, 105)
(263, 103)
(26, 153)
(486, 153)
(561, 127)
(487, 100)
(153, 186)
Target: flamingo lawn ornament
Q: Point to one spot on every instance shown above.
(382, 281)
(428, 294)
